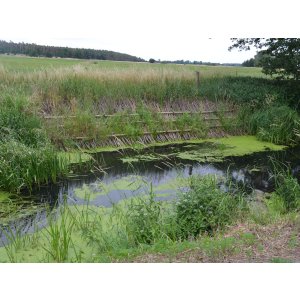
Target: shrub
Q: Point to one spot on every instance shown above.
(204, 208)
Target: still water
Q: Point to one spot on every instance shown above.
(115, 178)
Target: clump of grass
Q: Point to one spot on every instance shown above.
(19, 122)
(275, 124)
(26, 156)
(286, 186)
(59, 236)
(288, 189)
(22, 166)
(83, 124)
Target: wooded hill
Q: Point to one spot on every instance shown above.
(64, 52)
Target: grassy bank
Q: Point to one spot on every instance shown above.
(201, 224)
(83, 89)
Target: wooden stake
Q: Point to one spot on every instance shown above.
(197, 79)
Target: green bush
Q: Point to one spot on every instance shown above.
(204, 208)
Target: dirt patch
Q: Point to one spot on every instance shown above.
(248, 243)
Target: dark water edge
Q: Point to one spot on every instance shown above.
(250, 171)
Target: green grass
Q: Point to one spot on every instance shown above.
(275, 124)
(83, 88)
(26, 156)
(280, 260)
(61, 83)
(25, 64)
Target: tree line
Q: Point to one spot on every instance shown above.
(279, 57)
(189, 62)
(63, 52)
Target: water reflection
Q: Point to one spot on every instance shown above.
(251, 171)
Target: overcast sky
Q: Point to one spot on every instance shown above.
(166, 30)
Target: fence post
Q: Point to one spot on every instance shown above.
(197, 79)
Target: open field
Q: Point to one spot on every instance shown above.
(63, 84)
(29, 64)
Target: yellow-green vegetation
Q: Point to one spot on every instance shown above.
(206, 150)
(133, 183)
(4, 196)
(231, 146)
(142, 229)
(75, 157)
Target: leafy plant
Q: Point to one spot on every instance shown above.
(286, 186)
(204, 208)
(145, 219)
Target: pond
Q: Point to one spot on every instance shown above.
(128, 173)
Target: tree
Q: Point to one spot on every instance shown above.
(152, 60)
(278, 56)
(248, 63)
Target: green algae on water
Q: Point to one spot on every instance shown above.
(145, 157)
(4, 196)
(211, 150)
(231, 146)
(128, 183)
